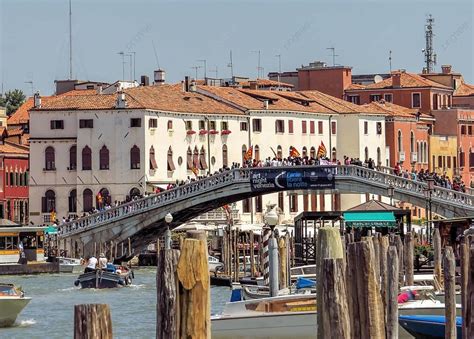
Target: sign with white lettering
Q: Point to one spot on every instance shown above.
(275, 179)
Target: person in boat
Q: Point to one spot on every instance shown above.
(407, 296)
(102, 261)
(91, 264)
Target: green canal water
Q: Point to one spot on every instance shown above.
(50, 314)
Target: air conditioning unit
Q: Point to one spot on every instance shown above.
(414, 157)
(401, 156)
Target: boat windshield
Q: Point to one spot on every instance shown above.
(8, 290)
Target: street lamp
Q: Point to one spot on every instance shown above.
(428, 194)
(390, 191)
(271, 218)
(168, 219)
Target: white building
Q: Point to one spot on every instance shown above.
(126, 143)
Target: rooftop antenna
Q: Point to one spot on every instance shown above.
(156, 54)
(130, 64)
(196, 70)
(32, 87)
(123, 64)
(231, 65)
(258, 64)
(334, 55)
(430, 55)
(205, 67)
(215, 71)
(279, 69)
(70, 40)
(390, 60)
(134, 63)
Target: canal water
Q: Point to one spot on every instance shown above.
(50, 314)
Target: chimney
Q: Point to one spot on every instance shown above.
(265, 104)
(144, 80)
(159, 76)
(253, 84)
(99, 89)
(446, 69)
(192, 87)
(37, 100)
(121, 101)
(396, 79)
(186, 83)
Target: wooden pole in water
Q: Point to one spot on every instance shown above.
(335, 315)
(383, 245)
(92, 321)
(243, 240)
(129, 247)
(328, 245)
(401, 270)
(409, 257)
(95, 249)
(283, 271)
(464, 252)
(252, 254)
(375, 240)
(449, 266)
(236, 255)
(437, 273)
(194, 289)
(392, 294)
(469, 320)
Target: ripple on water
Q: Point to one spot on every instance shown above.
(25, 323)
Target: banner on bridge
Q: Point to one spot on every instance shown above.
(274, 179)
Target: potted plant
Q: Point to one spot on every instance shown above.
(226, 132)
(213, 132)
(203, 132)
(190, 132)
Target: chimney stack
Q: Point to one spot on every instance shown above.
(159, 76)
(396, 79)
(99, 89)
(186, 83)
(144, 80)
(37, 100)
(446, 69)
(121, 100)
(193, 87)
(265, 104)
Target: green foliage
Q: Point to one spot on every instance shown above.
(424, 249)
(12, 100)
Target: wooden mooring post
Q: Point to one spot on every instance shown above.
(469, 317)
(449, 266)
(392, 294)
(383, 246)
(408, 256)
(464, 253)
(92, 321)
(252, 254)
(437, 273)
(283, 271)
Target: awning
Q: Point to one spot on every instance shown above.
(370, 219)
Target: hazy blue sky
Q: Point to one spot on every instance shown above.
(34, 36)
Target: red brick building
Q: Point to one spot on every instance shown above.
(329, 80)
(14, 169)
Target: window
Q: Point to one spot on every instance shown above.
(73, 158)
(463, 129)
(153, 123)
(225, 159)
(104, 158)
(400, 141)
(290, 126)
(87, 201)
(48, 202)
(279, 126)
(224, 125)
(189, 159)
(103, 198)
(379, 157)
(196, 158)
(469, 130)
(135, 192)
(320, 127)
(448, 161)
(72, 201)
(202, 159)
(471, 158)
(416, 100)
(412, 142)
(244, 152)
(244, 126)
(303, 127)
(212, 125)
(379, 128)
(135, 122)
(135, 157)
(366, 153)
(257, 125)
(312, 153)
(435, 101)
(86, 123)
(355, 99)
(258, 204)
(189, 125)
(440, 161)
(374, 97)
(86, 159)
(293, 198)
(153, 164)
(202, 124)
(462, 158)
(304, 152)
(333, 127)
(366, 127)
(281, 202)
(170, 163)
(246, 205)
(57, 124)
(49, 158)
(169, 125)
(256, 152)
(311, 127)
(388, 97)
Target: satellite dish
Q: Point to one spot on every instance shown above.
(377, 79)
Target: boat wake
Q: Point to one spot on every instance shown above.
(25, 323)
(137, 286)
(67, 289)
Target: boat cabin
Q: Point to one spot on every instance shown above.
(13, 239)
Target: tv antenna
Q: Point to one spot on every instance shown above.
(70, 40)
(390, 60)
(428, 51)
(279, 68)
(215, 71)
(123, 64)
(156, 54)
(204, 62)
(196, 70)
(32, 87)
(258, 63)
(231, 65)
(334, 55)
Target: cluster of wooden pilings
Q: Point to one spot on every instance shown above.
(359, 282)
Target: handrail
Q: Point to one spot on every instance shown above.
(242, 175)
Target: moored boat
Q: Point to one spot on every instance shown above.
(105, 279)
(70, 265)
(12, 302)
(427, 326)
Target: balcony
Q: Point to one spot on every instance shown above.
(217, 216)
(401, 156)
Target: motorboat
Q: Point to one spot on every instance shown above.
(427, 326)
(122, 276)
(70, 265)
(214, 264)
(301, 286)
(12, 302)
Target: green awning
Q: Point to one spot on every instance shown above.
(369, 219)
(51, 230)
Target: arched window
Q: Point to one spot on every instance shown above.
(49, 159)
(189, 159)
(170, 125)
(279, 152)
(104, 158)
(379, 157)
(87, 200)
(471, 158)
(86, 159)
(225, 157)
(418, 152)
(257, 153)
(48, 202)
(412, 142)
(334, 154)
(462, 158)
(366, 153)
(73, 158)
(72, 201)
(202, 159)
(312, 153)
(425, 152)
(196, 157)
(135, 192)
(244, 151)
(103, 198)
(135, 157)
(169, 163)
(304, 152)
(400, 144)
(151, 154)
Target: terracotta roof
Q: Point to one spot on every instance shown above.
(14, 131)
(266, 83)
(10, 148)
(464, 90)
(21, 115)
(85, 102)
(336, 105)
(407, 80)
(355, 86)
(390, 109)
(80, 92)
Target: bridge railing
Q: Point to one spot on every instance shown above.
(243, 175)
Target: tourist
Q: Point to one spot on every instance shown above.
(102, 261)
(91, 264)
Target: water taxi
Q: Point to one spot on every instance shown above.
(12, 302)
(29, 239)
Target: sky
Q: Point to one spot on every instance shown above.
(34, 37)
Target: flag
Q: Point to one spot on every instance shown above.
(248, 154)
(322, 152)
(195, 170)
(53, 215)
(294, 152)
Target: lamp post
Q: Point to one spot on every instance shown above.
(428, 194)
(271, 219)
(390, 192)
(168, 219)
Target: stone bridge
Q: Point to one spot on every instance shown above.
(143, 220)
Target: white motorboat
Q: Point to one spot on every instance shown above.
(70, 265)
(12, 302)
(214, 264)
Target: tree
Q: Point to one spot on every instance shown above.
(12, 100)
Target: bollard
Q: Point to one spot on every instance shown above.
(167, 239)
(273, 266)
